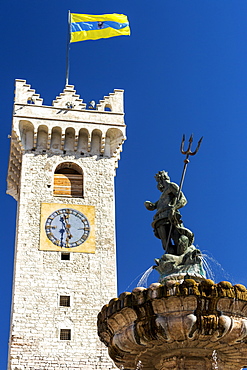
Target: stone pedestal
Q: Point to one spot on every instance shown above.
(178, 326)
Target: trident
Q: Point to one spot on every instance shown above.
(187, 152)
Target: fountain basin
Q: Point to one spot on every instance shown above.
(177, 326)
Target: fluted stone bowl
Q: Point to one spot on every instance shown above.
(189, 325)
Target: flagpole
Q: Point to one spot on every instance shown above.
(67, 51)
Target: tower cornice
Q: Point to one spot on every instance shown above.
(73, 124)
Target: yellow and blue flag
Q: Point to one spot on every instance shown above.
(94, 27)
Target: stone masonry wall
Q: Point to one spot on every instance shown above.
(41, 276)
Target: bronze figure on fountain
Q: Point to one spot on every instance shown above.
(181, 256)
(167, 222)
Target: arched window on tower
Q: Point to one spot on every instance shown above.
(27, 134)
(68, 180)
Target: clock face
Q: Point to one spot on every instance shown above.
(67, 228)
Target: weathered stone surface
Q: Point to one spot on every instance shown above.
(177, 326)
(40, 277)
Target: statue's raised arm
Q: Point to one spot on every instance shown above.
(178, 199)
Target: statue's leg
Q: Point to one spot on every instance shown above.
(183, 244)
(180, 241)
(163, 232)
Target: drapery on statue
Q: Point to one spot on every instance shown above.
(167, 222)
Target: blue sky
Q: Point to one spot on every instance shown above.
(183, 70)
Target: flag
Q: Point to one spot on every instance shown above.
(94, 27)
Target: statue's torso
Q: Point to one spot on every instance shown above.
(166, 202)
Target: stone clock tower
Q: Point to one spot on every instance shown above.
(61, 172)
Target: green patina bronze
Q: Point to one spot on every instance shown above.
(181, 256)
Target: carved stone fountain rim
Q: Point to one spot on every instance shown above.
(175, 316)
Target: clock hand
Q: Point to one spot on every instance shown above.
(67, 227)
(69, 236)
(62, 231)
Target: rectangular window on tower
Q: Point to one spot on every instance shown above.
(65, 334)
(65, 256)
(64, 300)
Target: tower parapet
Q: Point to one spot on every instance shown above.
(66, 127)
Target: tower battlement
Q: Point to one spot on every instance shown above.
(66, 127)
